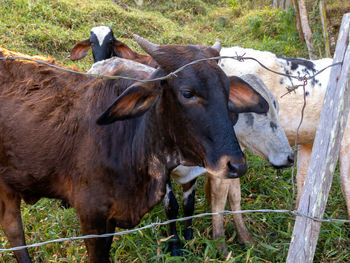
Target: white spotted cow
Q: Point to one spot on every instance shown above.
(291, 104)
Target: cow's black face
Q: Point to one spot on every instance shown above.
(192, 110)
(201, 93)
(102, 41)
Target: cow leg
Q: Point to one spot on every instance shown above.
(171, 210)
(234, 196)
(11, 221)
(98, 248)
(188, 200)
(303, 160)
(218, 196)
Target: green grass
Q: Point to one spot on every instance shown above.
(261, 188)
(53, 27)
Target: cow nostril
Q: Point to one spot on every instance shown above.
(236, 170)
(231, 167)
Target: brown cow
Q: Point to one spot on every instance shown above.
(261, 134)
(50, 145)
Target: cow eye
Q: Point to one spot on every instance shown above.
(187, 94)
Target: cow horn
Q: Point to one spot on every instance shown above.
(147, 46)
(217, 45)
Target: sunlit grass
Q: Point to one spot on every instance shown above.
(261, 188)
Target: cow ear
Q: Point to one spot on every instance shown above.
(243, 98)
(122, 50)
(133, 102)
(80, 49)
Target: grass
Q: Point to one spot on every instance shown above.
(48, 27)
(261, 188)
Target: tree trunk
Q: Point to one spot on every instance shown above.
(139, 2)
(281, 4)
(324, 26)
(275, 3)
(297, 14)
(306, 28)
(287, 4)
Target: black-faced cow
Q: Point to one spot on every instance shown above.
(104, 46)
(51, 146)
(261, 134)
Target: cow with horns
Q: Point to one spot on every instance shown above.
(113, 167)
(262, 134)
(291, 106)
(104, 45)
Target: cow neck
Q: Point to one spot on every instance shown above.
(132, 154)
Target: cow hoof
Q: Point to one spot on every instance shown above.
(245, 239)
(176, 253)
(65, 205)
(248, 241)
(174, 248)
(188, 234)
(221, 248)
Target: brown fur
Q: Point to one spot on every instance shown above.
(50, 145)
(207, 190)
(47, 134)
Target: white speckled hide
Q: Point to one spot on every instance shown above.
(291, 104)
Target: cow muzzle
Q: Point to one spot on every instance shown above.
(236, 170)
(228, 168)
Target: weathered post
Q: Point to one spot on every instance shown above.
(325, 153)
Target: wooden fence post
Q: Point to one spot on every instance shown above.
(325, 153)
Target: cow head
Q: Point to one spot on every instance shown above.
(262, 134)
(191, 109)
(103, 45)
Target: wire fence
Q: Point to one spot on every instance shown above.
(241, 58)
(284, 211)
(173, 74)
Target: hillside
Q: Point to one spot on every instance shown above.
(53, 27)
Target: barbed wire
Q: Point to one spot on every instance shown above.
(291, 212)
(170, 75)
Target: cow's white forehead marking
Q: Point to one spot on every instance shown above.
(101, 32)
